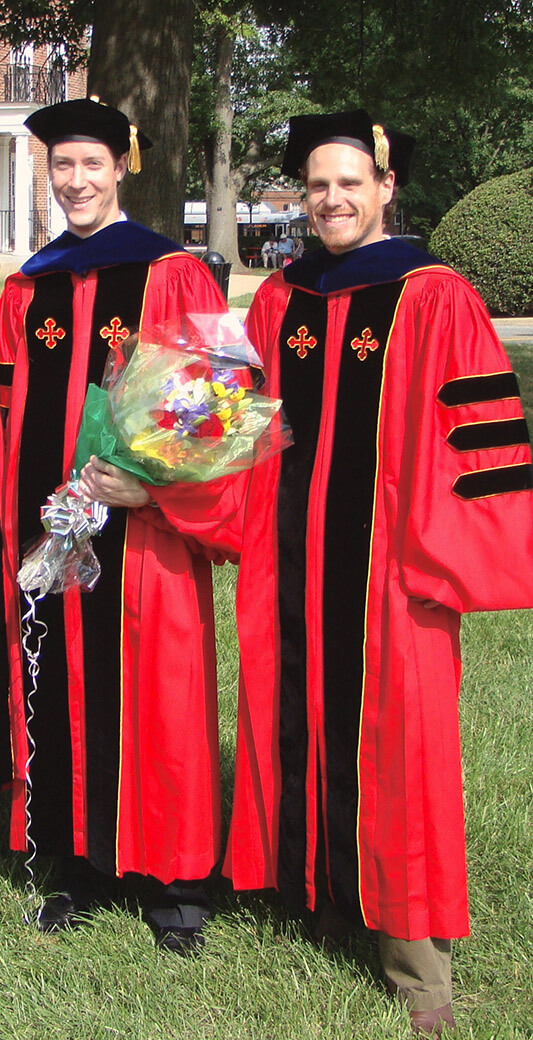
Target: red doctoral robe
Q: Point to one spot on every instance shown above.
(126, 769)
(409, 480)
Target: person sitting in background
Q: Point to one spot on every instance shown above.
(298, 250)
(284, 250)
(269, 252)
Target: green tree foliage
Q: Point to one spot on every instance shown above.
(487, 237)
(243, 94)
(455, 73)
(140, 60)
(264, 90)
(60, 23)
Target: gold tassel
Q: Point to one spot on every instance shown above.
(134, 155)
(381, 148)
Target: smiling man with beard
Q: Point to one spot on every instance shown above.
(404, 501)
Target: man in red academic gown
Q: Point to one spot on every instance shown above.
(125, 774)
(405, 500)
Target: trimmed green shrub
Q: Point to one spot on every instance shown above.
(488, 238)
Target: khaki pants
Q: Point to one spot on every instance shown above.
(421, 969)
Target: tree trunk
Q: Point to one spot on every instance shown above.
(141, 56)
(221, 192)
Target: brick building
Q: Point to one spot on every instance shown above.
(29, 78)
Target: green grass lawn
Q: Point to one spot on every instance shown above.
(242, 301)
(521, 358)
(260, 976)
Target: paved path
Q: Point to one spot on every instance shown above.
(246, 283)
(514, 329)
(508, 329)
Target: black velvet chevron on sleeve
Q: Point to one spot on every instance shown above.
(6, 373)
(499, 481)
(501, 433)
(498, 386)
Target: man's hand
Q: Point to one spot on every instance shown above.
(102, 482)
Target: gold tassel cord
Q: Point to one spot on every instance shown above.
(134, 155)
(381, 147)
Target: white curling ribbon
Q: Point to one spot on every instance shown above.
(31, 626)
(64, 557)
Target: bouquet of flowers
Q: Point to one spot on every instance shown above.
(182, 405)
(179, 404)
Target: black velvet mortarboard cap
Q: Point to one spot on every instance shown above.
(389, 148)
(86, 119)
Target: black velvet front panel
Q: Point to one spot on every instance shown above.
(41, 451)
(302, 372)
(102, 638)
(40, 472)
(51, 769)
(119, 295)
(117, 312)
(349, 510)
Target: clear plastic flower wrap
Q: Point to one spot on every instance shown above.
(63, 557)
(178, 404)
(183, 404)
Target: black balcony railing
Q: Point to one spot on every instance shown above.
(28, 83)
(39, 233)
(7, 230)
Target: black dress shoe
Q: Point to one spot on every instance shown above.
(60, 912)
(179, 928)
(83, 890)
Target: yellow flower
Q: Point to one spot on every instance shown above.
(224, 413)
(219, 389)
(238, 395)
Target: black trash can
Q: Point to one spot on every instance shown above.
(219, 269)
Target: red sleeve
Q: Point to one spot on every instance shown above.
(263, 323)
(208, 516)
(11, 329)
(178, 285)
(11, 324)
(13, 301)
(466, 500)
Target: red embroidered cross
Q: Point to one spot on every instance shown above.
(114, 333)
(51, 333)
(365, 344)
(303, 340)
